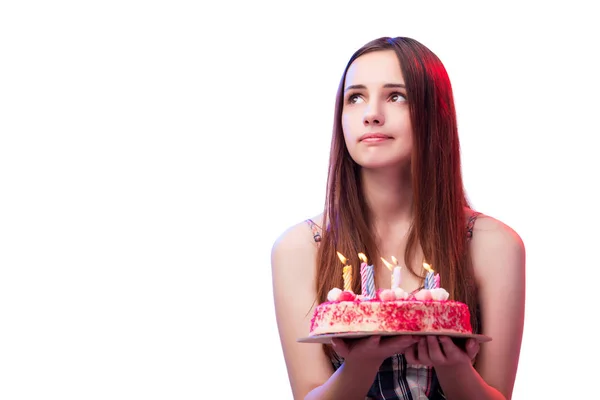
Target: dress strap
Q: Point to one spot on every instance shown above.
(471, 224)
(315, 230)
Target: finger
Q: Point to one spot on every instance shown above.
(435, 350)
(339, 346)
(374, 340)
(365, 343)
(400, 343)
(472, 348)
(423, 352)
(410, 354)
(451, 350)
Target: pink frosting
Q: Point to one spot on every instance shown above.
(391, 316)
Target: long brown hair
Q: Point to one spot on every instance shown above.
(439, 222)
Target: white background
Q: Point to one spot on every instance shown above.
(151, 153)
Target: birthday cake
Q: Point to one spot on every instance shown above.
(390, 310)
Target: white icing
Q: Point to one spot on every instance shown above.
(334, 294)
(400, 294)
(387, 295)
(423, 294)
(439, 294)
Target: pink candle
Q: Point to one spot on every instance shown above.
(436, 281)
(364, 279)
(366, 276)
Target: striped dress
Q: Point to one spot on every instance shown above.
(396, 380)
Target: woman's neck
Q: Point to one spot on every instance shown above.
(388, 193)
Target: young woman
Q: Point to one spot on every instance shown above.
(395, 188)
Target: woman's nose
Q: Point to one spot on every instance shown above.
(373, 116)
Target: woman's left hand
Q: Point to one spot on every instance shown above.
(440, 351)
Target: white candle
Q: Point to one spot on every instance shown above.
(395, 281)
(396, 278)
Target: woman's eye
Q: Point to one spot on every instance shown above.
(397, 97)
(353, 99)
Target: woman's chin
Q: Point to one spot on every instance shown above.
(381, 161)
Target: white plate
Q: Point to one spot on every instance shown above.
(326, 338)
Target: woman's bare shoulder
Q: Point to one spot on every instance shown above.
(492, 232)
(298, 237)
(498, 252)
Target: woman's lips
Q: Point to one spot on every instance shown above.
(374, 137)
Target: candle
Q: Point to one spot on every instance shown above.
(363, 275)
(429, 277)
(371, 280)
(436, 281)
(347, 272)
(396, 274)
(390, 267)
(395, 270)
(367, 277)
(396, 278)
(348, 277)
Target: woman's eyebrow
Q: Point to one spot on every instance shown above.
(387, 85)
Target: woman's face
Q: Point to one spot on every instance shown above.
(376, 117)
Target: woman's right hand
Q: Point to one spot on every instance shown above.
(374, 348)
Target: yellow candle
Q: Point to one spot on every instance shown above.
(347, 272)
(348, 277)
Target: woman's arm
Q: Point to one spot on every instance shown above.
(464, 382)
(351, 381)
(499, 262)
(310, 371)
(498, 256)
(293, 271)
